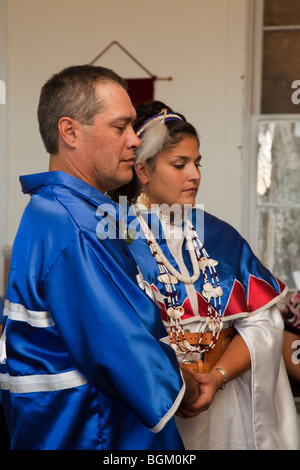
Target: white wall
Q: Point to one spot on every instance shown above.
(202, 44)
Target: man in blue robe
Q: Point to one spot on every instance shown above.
(82, 361)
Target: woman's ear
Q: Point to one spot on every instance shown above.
(142, 171)
(68, 130)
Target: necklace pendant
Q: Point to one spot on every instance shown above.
(207, 287)
(219, 291)
(179, 311)
(212, 263)
(206, 294)
(171, 312)
(202, 263)
(213, 292)
(215, 325)
(175, 313)
(184, 346)
(167, 279)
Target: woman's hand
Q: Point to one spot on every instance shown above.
(207, 385)
(234, 361)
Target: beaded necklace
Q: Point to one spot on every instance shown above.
(169, 276)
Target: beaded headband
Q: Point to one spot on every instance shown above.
(162, 116)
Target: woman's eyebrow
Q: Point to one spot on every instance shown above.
(186, 157)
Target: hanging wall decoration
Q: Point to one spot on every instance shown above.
(140, 90)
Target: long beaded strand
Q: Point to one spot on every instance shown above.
(170, 276)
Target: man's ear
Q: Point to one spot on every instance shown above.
(68, 129)
(142, 170)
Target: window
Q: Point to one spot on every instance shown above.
(281, 58)
(278, 196)
(277, 142)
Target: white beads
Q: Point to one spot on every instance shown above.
(160, 257)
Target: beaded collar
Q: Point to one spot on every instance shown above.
(169, 276)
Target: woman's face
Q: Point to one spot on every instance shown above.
(176, 175)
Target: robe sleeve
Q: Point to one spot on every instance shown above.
(273, 410)
(112, 331)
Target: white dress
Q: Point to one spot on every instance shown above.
(257, 409)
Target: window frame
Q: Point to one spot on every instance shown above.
(255, 117)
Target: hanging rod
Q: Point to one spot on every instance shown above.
(131, 56)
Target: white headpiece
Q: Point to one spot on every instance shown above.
(154, 135)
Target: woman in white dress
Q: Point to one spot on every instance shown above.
(217, 301)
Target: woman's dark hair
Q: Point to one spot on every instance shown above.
(176, 129)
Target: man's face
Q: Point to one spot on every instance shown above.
(107, 146)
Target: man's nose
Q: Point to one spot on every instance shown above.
(135, 141)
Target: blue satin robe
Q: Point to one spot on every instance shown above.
(83, 366)
(248, 286)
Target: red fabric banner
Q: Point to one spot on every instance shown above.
(140, 90)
